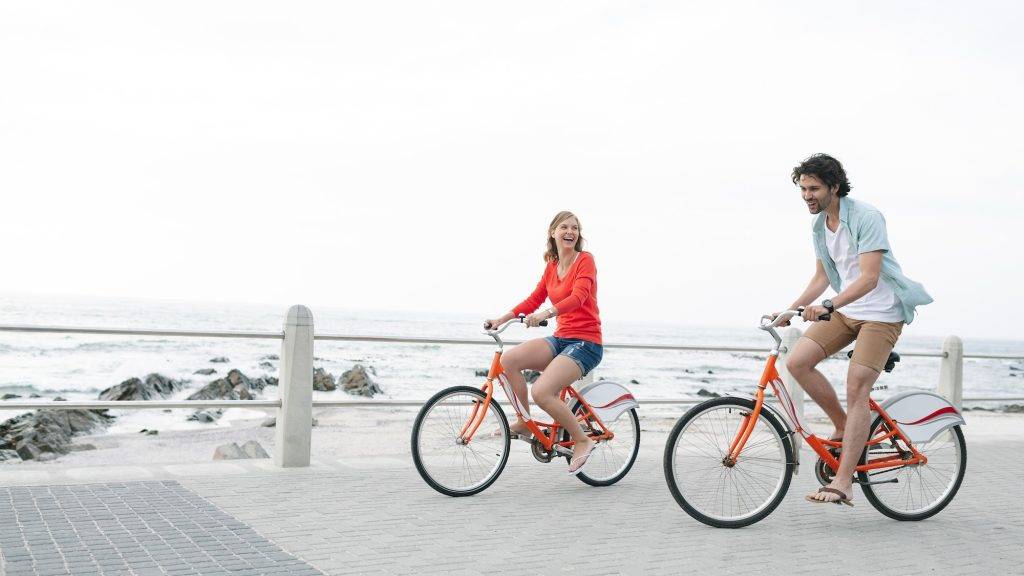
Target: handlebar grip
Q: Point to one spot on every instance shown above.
(826, 317)
(488, 325)
(543, 322)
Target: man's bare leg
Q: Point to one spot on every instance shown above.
(859, 381)
(802, 363)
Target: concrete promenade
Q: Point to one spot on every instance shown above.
(374, 515)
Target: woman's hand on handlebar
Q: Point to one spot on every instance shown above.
(494, 323)
(776, 315)
(535, 319)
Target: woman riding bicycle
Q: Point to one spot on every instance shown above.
(570, 282)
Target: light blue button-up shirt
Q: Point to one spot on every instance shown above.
(865, 227)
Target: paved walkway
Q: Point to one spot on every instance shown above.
(374, 515)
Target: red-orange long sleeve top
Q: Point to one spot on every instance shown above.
(575, 297)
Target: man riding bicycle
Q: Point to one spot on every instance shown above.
(875, 298)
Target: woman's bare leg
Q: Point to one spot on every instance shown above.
(532, 355)
(561, 372)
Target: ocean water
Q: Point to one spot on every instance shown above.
(80, 366)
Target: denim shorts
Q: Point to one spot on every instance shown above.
(586, 355)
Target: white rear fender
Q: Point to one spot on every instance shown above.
(608, 399)
(922, 415)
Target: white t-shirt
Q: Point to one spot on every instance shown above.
(879, 305)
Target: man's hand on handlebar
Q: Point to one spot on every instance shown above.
(815, 313)
(776, 315)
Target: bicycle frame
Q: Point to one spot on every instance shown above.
(549, 440)
(821, 447)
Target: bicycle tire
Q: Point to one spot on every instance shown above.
(441, 436)
(623, 469)
(774, 429)
(876, 493)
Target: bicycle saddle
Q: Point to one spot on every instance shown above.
(890, 364)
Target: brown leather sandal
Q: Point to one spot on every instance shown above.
(843, 498)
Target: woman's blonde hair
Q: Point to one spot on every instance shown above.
(551, 254)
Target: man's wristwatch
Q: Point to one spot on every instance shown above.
(828, 305)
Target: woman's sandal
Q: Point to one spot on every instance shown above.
(843, 498)
(581, 459)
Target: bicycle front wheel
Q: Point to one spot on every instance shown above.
(919, 491)
(714, 490)
(447, 463)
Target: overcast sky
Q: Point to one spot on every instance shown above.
(409, 155)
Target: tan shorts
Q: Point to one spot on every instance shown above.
(875, 340)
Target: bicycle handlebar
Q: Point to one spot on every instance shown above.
(786, 315)
(769, 324)
(520, 319)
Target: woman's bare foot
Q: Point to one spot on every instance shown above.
(520, 429)
(580, 453)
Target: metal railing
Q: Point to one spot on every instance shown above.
(295, 384)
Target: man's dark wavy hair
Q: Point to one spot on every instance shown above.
(825, 168)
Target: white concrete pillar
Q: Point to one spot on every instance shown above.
(951, 372)
(789, 337)
(295, 416)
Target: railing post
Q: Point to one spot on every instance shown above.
(951, 371)
(789, 337)
(295, 416)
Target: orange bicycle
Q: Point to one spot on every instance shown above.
(461, 438)
(729, 461)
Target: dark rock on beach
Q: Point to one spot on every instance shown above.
(220, 360)
(234, 386)
(205, 372)
(270, 357)
(357, 382)
(267, 365)
(154, 386)
(481, 373)
(323, 381)
(707, 393)
(1014, 408)
(48, 431)
(9, 396)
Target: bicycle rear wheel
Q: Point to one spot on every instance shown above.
(920, 491)
(702, 481)
(611, 460)
(447, 464)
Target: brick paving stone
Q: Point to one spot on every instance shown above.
(126, 528)
(384, 520)
(387, 520)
